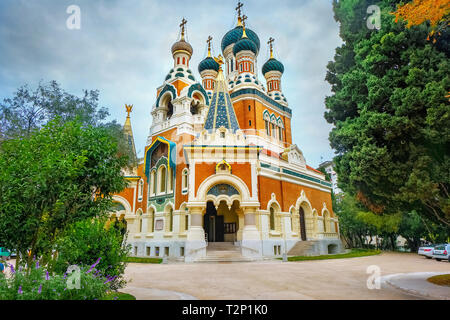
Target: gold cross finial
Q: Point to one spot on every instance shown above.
(129, 109)
(209, 45)
(183, 23)
(244, 35)
(270, 43)
(238, 9)
(244, 17)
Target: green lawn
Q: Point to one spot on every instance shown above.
(119, 296)
(352, 254)
(143, 260)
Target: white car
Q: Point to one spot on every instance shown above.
(426, 251)
(442, 252)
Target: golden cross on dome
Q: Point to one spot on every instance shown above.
(129, 109)
(183, 23)
(238, 8)
(244, 17)
(270, 43)
(209, 45)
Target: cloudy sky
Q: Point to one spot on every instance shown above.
(123, 50)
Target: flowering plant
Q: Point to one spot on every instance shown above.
(36, 283)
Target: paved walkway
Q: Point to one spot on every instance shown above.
(321, 279)
(417, 284)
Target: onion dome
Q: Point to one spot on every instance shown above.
(208, 64)
(245, 44)
(235, 34)
(272, 65)
(182, 45)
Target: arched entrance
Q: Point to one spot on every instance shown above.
(302, 223)
(221, 224)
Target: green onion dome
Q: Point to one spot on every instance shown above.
(245, 44)
(208, 64)
(272, 65)
(235, 35)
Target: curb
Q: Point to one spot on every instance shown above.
(423, 293)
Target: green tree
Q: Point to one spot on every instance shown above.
(390, 114)
(29, 110)
(53, 177)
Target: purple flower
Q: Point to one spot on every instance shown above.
(37, 264)
(94, 265)
(65, 275)
(40, 289)
(46, 275)
(115, 298)
(20, 290)
(12, 269)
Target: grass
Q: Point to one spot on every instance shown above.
(441, 280)
(143, 260)
(352, 254)
(119, 296)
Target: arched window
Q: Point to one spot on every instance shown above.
(292, 220)
(153, 221)
(186, 222)
(266, 122)
(280, 133)
(326, 222)
(272, 219)
(169, 180)
(274, 132)
(185, 180)
(153, 182)
(141, 190)
(162, 179)
(184, 60)
(178, 60)
(171, 220)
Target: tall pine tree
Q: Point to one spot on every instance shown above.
(390, 113)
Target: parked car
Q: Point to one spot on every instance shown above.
(4, 253)
(427, 251)
(442, 252)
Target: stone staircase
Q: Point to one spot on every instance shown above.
(303, 248)
(223, 252)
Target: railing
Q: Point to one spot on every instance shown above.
(328, 235)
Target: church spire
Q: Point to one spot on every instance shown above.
(128, 131)
(221, 112)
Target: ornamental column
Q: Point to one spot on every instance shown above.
(251, 238)
(195, 241)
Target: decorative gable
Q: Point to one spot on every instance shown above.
(294, 156)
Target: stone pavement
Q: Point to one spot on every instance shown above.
(322, 279)
(416, 284)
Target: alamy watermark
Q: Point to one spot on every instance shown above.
(374, 280)
(374, 20)
(73, 22)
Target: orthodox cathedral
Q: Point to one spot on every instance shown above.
(220, 170)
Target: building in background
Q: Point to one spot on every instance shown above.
(328, 166)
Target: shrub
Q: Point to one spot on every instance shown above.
(36, 283)
(86, 241)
